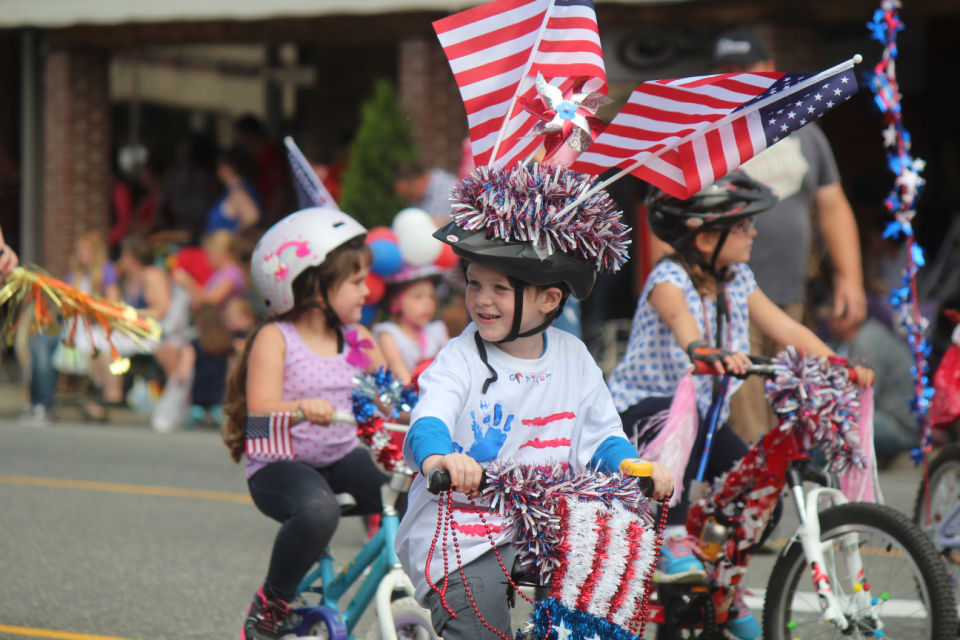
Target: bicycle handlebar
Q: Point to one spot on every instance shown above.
(767, 367)
(439, 481)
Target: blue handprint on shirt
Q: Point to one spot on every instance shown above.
(486, 445)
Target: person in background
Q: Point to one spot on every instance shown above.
(143, 285)
(239, 207)
(191, 188)
(895, 428)
(413, 335)
(227, 280)
(270, 173)
(803, 172)
(8, 257)
(427, 189)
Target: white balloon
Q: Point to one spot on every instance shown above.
(414, 230)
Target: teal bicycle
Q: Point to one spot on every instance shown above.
(317, 611)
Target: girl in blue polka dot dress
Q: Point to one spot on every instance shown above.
(697, 304)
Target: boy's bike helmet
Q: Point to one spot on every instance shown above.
(515, 221)
(716, 208)
(301, 240)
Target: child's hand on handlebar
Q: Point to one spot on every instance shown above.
(316, 410)
(865, 376)
(465, 472)
(721, 361)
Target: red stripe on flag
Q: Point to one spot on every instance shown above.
(493, 38)
(491, 69)
(635, 536)
(718, 161)
(744, 142)
(691, 173)
(686, 96)
(487, 10)
(662, 115)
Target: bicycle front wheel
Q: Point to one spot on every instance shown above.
(910, 593)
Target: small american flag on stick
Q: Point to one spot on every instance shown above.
(268, 436)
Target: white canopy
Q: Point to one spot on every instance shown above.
(66, 13)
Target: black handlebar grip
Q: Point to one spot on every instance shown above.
(438, 481)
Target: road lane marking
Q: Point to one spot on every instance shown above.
(117, 487)
(50, 633)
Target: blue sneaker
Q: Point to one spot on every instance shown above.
(679, 561)
(741, 624)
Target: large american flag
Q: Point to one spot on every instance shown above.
(683, 135)
(496, 51)
(268, 436)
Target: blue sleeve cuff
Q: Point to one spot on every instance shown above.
(611, 451)
(429, 436)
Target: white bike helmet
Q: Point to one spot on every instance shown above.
(301, 240)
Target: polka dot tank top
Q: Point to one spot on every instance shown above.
(308, 375)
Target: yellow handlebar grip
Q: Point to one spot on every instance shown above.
(636, 467)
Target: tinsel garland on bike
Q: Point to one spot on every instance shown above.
(373, 393)
(817, 398)
(83, 311)
(590, 536)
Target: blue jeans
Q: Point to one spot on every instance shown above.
(43, 377)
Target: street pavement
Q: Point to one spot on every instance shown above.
(117, 532)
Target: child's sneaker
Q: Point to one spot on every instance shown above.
(264, 618)
(679, 561)
(742, 624)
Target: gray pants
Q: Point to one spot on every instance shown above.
(488, 586)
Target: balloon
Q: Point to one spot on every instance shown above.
(414, 229)
(369, 314)
(386, 257)
(377, 288)
(381, 233)
(447, 259)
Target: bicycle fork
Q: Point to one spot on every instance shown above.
(807, 506)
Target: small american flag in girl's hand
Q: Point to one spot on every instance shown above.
(268, 436)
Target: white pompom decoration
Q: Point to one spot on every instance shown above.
(414, 230)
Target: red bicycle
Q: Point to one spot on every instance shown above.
(871, 571)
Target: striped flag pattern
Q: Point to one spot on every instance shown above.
(682, 135)
(496, 50)
(268, 436)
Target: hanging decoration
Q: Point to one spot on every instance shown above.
(901, 203)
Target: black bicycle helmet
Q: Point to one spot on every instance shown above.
(718, 207)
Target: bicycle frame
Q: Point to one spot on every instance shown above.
(377, 559)
(752, 487)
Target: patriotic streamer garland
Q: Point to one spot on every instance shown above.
(884, 27)
(371, 394)
(29, 285)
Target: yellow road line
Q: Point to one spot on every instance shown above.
(50, 633)
(117, 487)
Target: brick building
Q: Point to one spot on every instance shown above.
(64, 105)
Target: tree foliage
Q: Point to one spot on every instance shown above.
(382, 143)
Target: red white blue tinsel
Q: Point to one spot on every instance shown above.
(818, 400)
(374, 393)
(524, 204)
(901, 202)
(530, 500)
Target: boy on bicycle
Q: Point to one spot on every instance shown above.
(510, 387)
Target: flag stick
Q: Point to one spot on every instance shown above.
(523, 76)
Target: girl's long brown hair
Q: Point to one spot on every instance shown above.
(339, 265)
(98, 252)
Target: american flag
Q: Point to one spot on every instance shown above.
(310, 189)
(496, 50)
(683, 135)
(268, 436)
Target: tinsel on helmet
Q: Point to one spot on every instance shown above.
(817, 398)
(530, 499)
(526, 203)
(373, 394)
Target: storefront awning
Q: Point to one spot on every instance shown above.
(51, 14)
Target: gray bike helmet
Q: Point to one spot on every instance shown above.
(716, 208)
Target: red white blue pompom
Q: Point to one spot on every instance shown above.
(526, 203)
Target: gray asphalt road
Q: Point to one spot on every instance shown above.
(84, 560)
